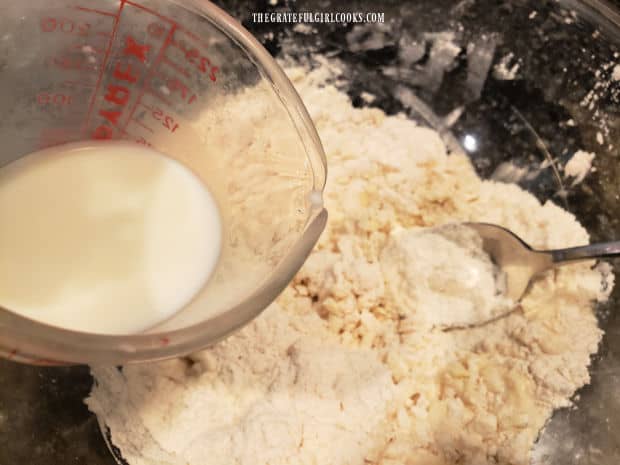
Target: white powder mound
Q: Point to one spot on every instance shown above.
(336, 372)
(579, 166)
(443, 277)
(273, 392)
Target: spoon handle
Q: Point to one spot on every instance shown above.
(586, 252)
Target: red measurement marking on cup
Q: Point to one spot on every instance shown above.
(147, 107)
(153, 12)
(153, 69)
(44, 99)
(128, 67)
(165, 341)
(141, 124)
(93, 10)
(105, 62)
(178, 68)
(175, 87)
(149, 90)
(11, 355)
(192, 55)
(196, 38)
(73, 63)
(137, 49)
(143, 141)
(119, 91)
(137, 139)
(195, 58)
(160, 115)
(166, 120)
(65, 25)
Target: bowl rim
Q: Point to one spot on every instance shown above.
(603, 13)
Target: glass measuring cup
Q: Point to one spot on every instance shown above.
(184, 78)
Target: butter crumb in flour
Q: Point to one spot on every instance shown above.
(335, 372)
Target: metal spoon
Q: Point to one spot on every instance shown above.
(522, 264)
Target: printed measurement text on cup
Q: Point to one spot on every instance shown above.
(137, 82)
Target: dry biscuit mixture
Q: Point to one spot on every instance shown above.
(338, 371)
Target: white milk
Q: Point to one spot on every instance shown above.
(103, 237)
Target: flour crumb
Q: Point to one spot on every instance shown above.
(503, 71)
(303, 28)
(615, 75)
(511, 173)
(579, 166)
(368, 97)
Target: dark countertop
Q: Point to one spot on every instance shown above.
(43, 420)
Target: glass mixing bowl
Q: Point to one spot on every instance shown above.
(529, 83)
(559, 98)
(186, 79)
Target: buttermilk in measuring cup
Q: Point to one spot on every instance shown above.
(107, 237)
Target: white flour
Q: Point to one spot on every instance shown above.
(579, 166)
(335, 373)
(276, 390)
(442, 277)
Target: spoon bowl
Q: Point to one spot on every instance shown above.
(521, 263)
